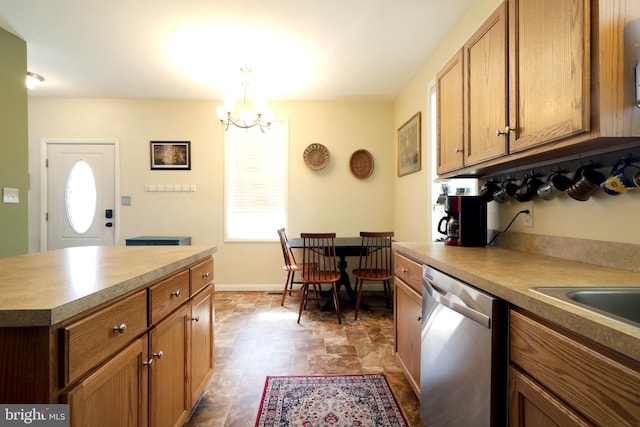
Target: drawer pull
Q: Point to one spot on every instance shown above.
(176, 293)
(196, 319)
(158, 354)
(148, 362)
(405, 271)
(120, 328)
(205, 275)
(419, 318)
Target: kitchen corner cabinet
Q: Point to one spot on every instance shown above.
(557, 378)
(408, 317)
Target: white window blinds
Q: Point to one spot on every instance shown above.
(256, 177)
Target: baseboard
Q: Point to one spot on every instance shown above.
(249, 287)
(276, 288)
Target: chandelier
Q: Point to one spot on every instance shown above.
(251, 113)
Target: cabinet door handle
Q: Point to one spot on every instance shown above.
(506, 131)
(419, 318)
(121, 328)
(458, 151)
(196, 319)
(175, 293)
(148, 362)
(158, 354)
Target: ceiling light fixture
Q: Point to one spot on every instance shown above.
(33, 80)
(247, 117)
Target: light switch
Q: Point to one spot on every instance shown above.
(10, 195)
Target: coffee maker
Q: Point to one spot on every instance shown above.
(466, 221)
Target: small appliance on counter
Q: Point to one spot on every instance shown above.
(466, 221)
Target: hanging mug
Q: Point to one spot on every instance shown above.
(507, 191)
(586, 181)
(528, 188)
(556, 184)
(488, 189)
(622, 178)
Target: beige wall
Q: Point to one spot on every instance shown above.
(328, 200)
(603, 217)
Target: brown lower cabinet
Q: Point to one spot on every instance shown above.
(139, 360)
(407, 312)
(168, 385)
(559, 379)
(155, 381)
(115, 394)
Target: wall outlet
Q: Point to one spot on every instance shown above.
(527, 219)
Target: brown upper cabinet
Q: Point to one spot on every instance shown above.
(449, 83)
(485, 58)
(545, 79)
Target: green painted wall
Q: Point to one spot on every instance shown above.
(13, 143)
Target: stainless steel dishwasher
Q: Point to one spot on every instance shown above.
(463, 354)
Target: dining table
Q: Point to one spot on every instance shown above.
(345, 247)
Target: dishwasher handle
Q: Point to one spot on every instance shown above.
(440, 297)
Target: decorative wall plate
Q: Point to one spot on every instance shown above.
(361, 164)
(316, 157)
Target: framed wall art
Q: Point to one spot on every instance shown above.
(409, 146)
(171, 155)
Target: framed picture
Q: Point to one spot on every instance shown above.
(409, 146)
(171, 155)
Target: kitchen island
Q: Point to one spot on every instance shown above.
(108, 327)
(568, 365)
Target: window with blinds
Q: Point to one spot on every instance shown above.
(256, 178)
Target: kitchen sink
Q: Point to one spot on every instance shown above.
(620, 303)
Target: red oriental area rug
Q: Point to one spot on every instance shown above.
(331, 400)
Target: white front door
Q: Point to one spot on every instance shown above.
(81, 197)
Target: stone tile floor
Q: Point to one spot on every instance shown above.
(256, 337)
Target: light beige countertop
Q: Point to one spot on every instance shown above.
(44, 288)
(511, 275)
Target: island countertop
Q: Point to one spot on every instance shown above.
(45, 288)
(513, 276)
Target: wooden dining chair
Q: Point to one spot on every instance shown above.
(290, 266)
(319, 266)
(376, 264)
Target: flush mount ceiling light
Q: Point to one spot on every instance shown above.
(252, 112)
(33, 80)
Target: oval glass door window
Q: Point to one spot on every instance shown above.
(80, 197)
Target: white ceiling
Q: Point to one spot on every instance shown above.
(193, 49)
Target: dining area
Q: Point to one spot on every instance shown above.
(317, 269)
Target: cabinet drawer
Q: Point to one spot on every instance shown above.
(201, 275)
(601, 388)
(87, 342)
(167, 295)
(409, 271)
